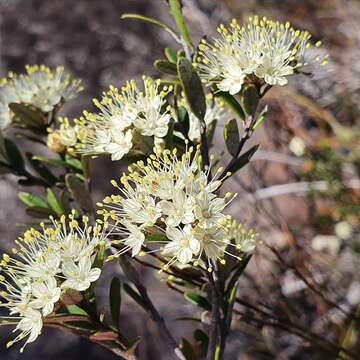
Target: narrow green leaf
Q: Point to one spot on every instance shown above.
(79, 192)
(243, 159)
(175, 11)
(260, 118)
(53, 202)
(3, 156)
(171, 55)
(39, 212)
(197, 300)
(192, 86)
(165, 67)
(183, 118)
(42, 170)
(115, 300)
(249, 99)
(13, 155)
(32, 200)
(152, 21)
(58, 163)
(231, 136)
(74, 163)
(231, 103)
(76, 310)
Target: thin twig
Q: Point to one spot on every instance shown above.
(133, 275)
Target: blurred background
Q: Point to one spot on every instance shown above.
(299, 296)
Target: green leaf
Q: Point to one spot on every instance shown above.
(14, 156)
(250, 99)
(175, 11)
(231, 136)
(74, 163)
(171, 55)
(3, 156)
(197, 300)
(53, 202)
(79, 192)
(27, 116)
(187, 350)
(165, 67)
(192, 86)
(42, 170)
(115, 300)
(52, 162)
(152, 21)
(260, 118)
(32, 200)
(231, 103)
(76, 310)
(39, 212)
(243, 159)
(183, 118)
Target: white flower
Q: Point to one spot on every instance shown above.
(265, 49)
(30, 326)
(122, 114)
(167, 198)
(134, 239)
(343, 230)
(120, 145)
(297, 146)
(183, 245)
(44, 88)
(212, 240)
(179, 209)
(7, 96)
(33, 279)
(141, 209)
(46, 294)
(79, 276)
(208, 209)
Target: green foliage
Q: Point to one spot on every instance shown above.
(192, 87)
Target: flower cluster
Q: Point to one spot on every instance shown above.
(263, 49)
(39, 87)
(125, 118)
(45, 264)
(171, 203)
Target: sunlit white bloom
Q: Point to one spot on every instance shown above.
(120, 145)
(44, 88)
(263, 49)
(212, 241)
(297, 146)
(182, 246)
(7, 96)
(121, 115)
(208, 209)
(30, 327)
(133, 238)
(343, 230)
(44, 262)
(168, 200)
(79, 276)
(46, 294)
(179, 209)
